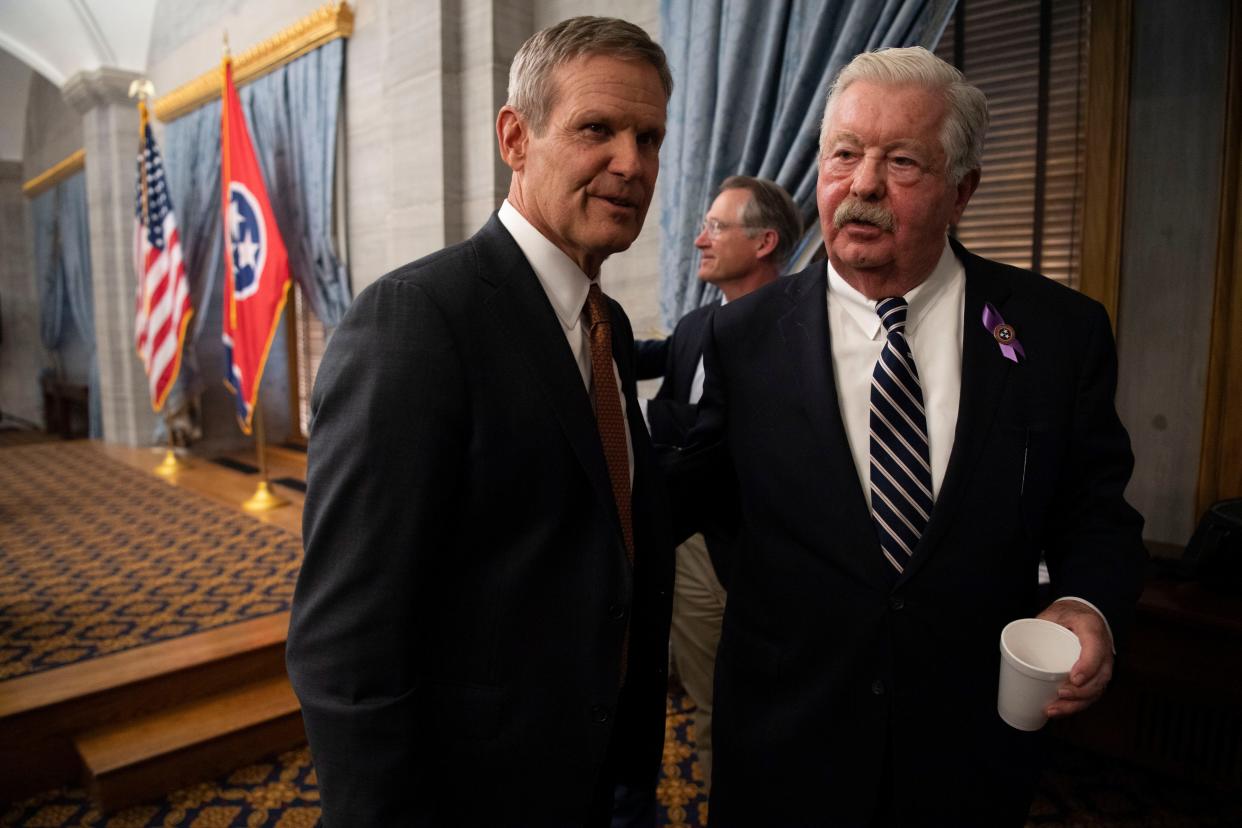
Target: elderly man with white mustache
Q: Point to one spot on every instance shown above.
(911, 428)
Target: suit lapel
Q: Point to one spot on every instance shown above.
(807, 337)
(984, 374)
(521, 307)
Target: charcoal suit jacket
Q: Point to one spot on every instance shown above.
(672, 417)
(458, 624)
(845, 696)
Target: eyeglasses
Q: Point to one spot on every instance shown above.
(714, 227)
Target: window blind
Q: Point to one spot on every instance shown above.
(1029, 58)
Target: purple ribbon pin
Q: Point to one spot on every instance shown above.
(1004, 334)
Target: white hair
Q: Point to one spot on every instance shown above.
(966, 120)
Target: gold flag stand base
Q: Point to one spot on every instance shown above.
(263, 500)
(170, 465)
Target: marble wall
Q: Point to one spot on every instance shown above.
(1169, 252)
(53, 129)
(21, 354)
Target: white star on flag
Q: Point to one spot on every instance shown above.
(247, 254)
(235, 220)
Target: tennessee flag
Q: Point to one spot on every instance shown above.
(256, 266)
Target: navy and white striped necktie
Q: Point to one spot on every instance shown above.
(901, 484)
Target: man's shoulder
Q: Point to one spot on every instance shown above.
(779, 296)
(451, 271)
(1027, 284)
(490, 246)
(695, 319)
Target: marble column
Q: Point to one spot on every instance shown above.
(110, 136)
(422, 165)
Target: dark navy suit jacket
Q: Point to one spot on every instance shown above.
(457, 628)
(841, 694)
(672, 416)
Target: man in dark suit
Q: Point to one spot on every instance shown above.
(479, 631)
(911, 427)
(748, 234)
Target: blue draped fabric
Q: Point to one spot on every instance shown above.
(62, 251)
(292, 114)
(75, 254)
(47, 269)
(191, 149)
(752, 79)
(293, 123)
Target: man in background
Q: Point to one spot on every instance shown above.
(911, 427)
(747, 237)
(479, 632)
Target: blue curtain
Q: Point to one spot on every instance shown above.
(75, 254)
(293, 123)
(62, 250)
(292, 114)
(191, 149)
(47, 269)
(752, 78)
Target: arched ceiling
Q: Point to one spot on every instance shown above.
(59, 38)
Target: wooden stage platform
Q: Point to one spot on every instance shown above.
(137, 723)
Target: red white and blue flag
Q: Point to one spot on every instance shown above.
(163, 302)
(256, 266)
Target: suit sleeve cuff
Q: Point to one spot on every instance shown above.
(1112, 642)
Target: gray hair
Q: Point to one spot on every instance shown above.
(966, 120)
(532, 91)
(770, 207)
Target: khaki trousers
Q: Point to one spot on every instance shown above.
(698, 609)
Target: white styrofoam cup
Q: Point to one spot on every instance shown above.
(1036, 657)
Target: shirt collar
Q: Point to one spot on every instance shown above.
(563, 281)
(920, 298)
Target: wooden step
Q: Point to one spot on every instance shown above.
(42, 712)
(145, 757)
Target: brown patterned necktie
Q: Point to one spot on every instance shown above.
(608, 416)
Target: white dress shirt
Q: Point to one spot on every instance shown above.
(567, 287)
(700, 373)
(934, 331)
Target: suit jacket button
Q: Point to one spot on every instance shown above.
(896, 602)
(599, 714)
(616, 612)
(877, 687)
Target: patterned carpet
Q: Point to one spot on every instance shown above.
(282, 793)
(97, 557)
(1079, 790)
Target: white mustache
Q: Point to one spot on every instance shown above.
(854, 210)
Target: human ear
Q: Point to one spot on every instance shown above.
(512, 134)
(965, 189)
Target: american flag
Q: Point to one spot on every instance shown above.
(163, 291)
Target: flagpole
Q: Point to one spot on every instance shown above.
(254, 351)
(263, 499)
(171, 464)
